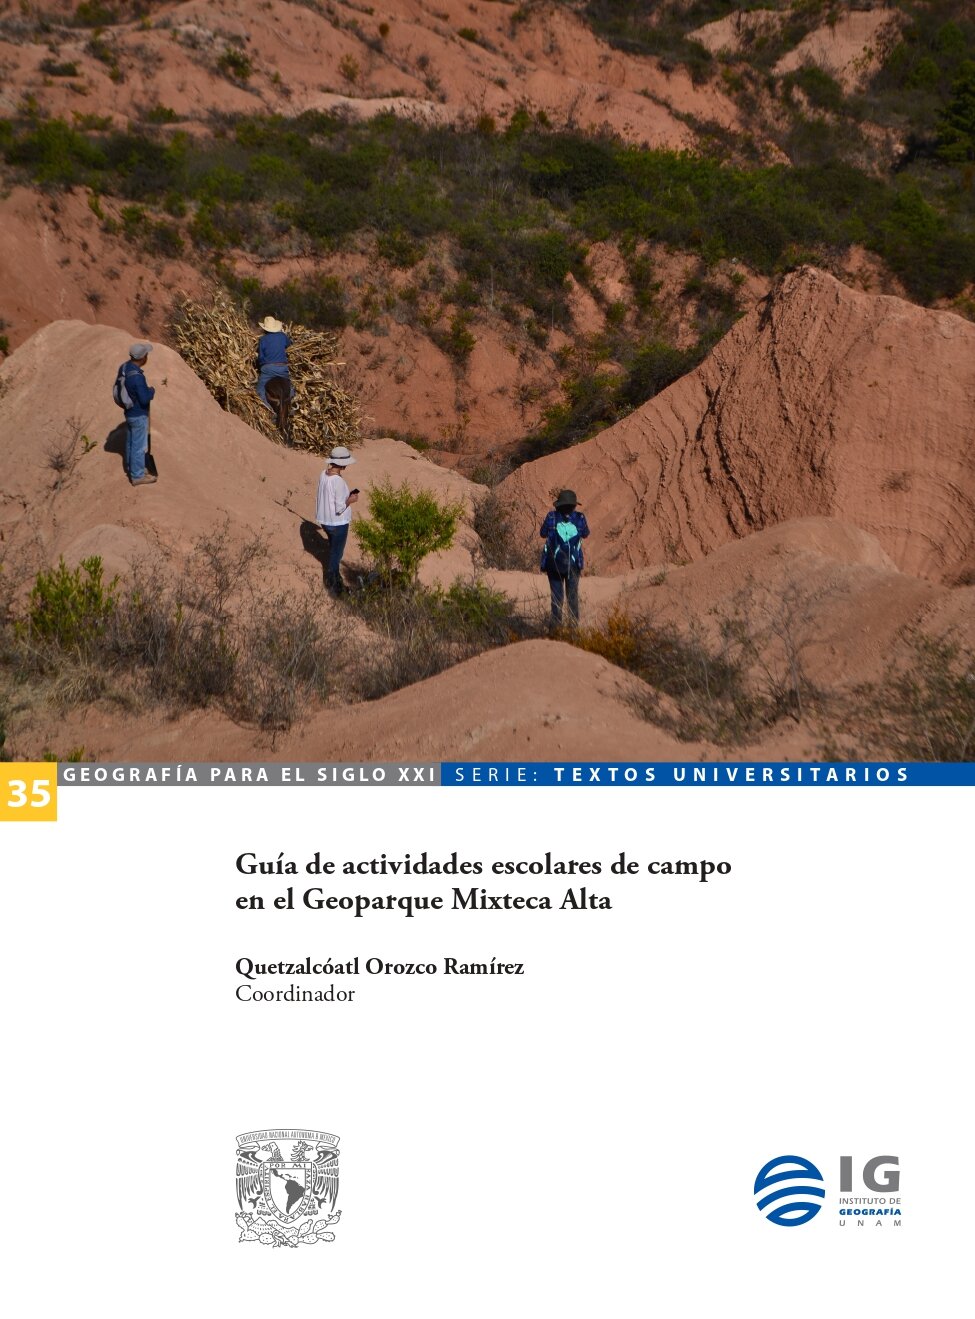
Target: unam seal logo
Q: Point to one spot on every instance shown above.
(789, 1191)
(287, 1197)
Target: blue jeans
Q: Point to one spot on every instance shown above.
(271, 371)
(337, 536)
(562, 589)
(136, 439)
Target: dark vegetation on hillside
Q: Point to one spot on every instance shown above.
(519, 206)
(910, 92)
(508, 214)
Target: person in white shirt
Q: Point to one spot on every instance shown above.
(333, 513)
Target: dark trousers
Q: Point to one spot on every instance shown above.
(337, 536)
(565, 589)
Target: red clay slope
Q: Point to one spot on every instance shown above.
(822, 402)
(56, 409)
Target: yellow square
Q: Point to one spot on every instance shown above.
(29, 791)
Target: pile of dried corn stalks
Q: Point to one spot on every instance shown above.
(220, 344)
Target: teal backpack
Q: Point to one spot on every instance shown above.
(563, 549)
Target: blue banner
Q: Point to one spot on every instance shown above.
(729, 774)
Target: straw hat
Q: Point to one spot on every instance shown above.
(341, 457)
(270, 325)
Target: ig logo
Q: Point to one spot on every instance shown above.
(789, 1191)
(890, 1181)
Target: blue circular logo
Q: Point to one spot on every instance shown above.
(789, 1191)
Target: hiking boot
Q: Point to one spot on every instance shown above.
(144, 480)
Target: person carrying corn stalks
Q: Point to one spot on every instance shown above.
(272, 357)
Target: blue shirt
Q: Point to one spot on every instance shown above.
(138, 391)
(273, 348)
(555, 516)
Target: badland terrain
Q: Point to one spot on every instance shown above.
(712, 268)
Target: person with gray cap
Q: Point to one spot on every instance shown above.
(333, 513)
(134, 395)
(563, 531)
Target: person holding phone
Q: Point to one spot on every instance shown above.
(333, 513)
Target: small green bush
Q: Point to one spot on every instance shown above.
(70, 608)
(403, 527)
(160, 114)
(474, 608)
(92, 13)
(53, 69)
(235, 65)
(456, 341)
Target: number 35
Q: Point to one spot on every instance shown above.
(39, 794)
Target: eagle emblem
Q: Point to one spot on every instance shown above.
(287, 1199)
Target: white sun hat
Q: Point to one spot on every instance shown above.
(341, 457)
(270, 325)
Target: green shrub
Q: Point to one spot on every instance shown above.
(821, 90)
(164, 239)
(73, 757)
(403, 527)
(92, 13)
(399, 248)
(456, 341)
(925, 75)
(515, 211)
(425, 630)
(318, 301)
(56, 154)
(160, 114)
(956, 139)
(235, 65)
(473, 608)
(70, 608)
(55, 70)
(133, 221)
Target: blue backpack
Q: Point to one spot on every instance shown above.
(563, 549)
